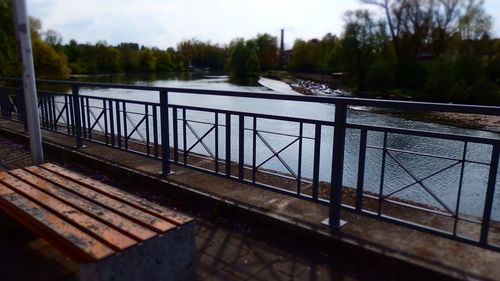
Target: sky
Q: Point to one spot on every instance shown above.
(164, 23)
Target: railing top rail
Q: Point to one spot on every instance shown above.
(427, 106)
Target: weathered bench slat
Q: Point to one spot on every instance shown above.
(102, 232)
(120, 195)
(139, 216)
(78, 245)
(99, 212)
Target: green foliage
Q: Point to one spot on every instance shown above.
(195, 53)
(243, 60)
(381, 77)
(8, 62)
(316, 55)
(147, 61)
(48, 62)
(359, 45)
(164, 62)
(267, 51)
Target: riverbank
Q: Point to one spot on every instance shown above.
(472, 121)
(485, 122)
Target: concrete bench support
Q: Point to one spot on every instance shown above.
(169, 256)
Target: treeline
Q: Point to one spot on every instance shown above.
(432, 50)
(125, 57)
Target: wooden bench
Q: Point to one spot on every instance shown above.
(111, 234)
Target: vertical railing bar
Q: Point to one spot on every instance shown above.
(118, 125)
(21, 107)
(460, 184)
(68, 124)
(175, 128)
(72, 115)
(48, 124)
(361, 169)
(490, 194)
(55, 113)
(49, 107)
(49, 113)
(82, 113)
(52, 113)
(228, 145)
(165, 132)
(111, 123)
(382, 175)
(146, 112)
(216, 136)
(88, 117)
(254, 149)
(84, 121)
(184, 137)
(241, 148)
(44, 112)
(76, 111)
(336, 179)
(299, 158)
(105, 111)
(125, 134)
(316, 163)
(155, 131)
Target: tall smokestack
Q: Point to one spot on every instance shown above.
(282, 49)
(282, 46)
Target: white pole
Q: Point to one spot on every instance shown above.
(29, 86)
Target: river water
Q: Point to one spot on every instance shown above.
(444, 185)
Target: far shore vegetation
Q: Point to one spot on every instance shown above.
(424, 50)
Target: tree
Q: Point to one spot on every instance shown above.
(147, 61)
(243, 61)
(9, 65)
(164, 62)
(361, 40)
(412, 23)
(129, 55)
(267, 51)
(48, 62)
(201, 54)
(53, 38)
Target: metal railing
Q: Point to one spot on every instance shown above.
(237, 145)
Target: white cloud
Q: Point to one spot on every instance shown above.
(164, 23)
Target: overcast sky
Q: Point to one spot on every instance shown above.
(164, 23)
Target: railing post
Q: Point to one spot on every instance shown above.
(241, 148)
(490, 194)
(164, 127)
(77, 115)
(337, 166)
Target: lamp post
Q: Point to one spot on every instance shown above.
(24, 42)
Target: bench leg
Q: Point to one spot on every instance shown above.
(170, 256)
